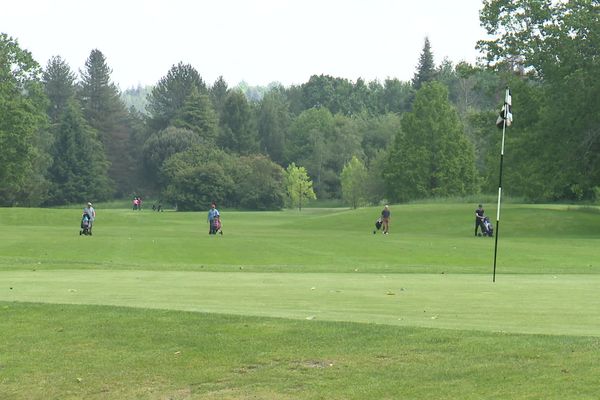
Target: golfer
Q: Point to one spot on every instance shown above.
(212, 213)
(479, 215)
(89, 210)
(386, 214)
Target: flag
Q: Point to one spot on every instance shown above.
(506, 111)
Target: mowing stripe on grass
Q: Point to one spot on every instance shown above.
(549, 304)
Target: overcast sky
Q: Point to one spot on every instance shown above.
(258, 41)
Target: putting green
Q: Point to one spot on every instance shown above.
(547, 304)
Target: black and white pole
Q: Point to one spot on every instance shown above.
(505, 119)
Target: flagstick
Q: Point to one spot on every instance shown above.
(500, 189)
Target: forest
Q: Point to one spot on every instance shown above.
(69, 137)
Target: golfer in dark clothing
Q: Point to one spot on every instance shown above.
(479, 215)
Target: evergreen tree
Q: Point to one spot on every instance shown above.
(426, 69)
(273, 125)
(79, 170)
(106, 113)
(138, 129)
(218, 93)
(431, 156)
(197, 115)
(59, 85)
(170, 94)
(238, 132)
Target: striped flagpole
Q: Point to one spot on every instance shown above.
(506, 120)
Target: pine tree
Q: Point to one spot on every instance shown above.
(106, 113)
(238, 133)
(426, 68)
(218, 93)
(273, 125)
(59, 85)
(79, 170)
(170, 94)
(197, 115)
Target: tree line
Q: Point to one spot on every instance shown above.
(68, 138)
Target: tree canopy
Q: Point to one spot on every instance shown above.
(430, 136)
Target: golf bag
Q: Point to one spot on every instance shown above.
(217, 226)
(488, 227)
(378, 224)
(86, 225)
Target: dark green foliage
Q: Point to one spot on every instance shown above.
(204, 174)
(170, 94)
(79, 170)
(194, 187)
(426, 69)
(307, 145)
(273, 125)
(218, 93)
(546, 51)
(106, 113)
(198, 116)
(378, 133)
(431, 156)
(375, 186)
(196, 177)
(323, 143)
(23, 142)
(163, 144)
(59, 85)
(259, 184)
(396, 97)
(238, 131)
(338, 95)
(556, 43)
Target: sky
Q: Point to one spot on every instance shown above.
(256, 41)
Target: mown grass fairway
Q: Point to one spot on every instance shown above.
(300, 305)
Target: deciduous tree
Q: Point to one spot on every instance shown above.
(298, 186)
(354, 178)
(23, 143)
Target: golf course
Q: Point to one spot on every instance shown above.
(306, 304)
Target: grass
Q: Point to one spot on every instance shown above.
(300, 305)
